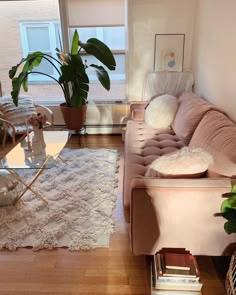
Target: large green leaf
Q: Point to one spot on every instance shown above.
(14, 69)
(229, 203)
(16, 85)
(79, 95)
(67, 74)
(77, 64)
(32, 61)
(25, 83)
(12, 72)
(229, 213)
(36, 62)
(230, 226)
(102, 75)
(101, 51)
(74, 73)
(75, 43)
(74, 70)
(234, 188)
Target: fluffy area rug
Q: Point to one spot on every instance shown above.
(81, 198)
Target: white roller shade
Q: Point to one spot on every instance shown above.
(98, 13)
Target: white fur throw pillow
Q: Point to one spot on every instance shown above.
(186, 162)
(161, 111)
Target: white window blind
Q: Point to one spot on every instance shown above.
(95, 13)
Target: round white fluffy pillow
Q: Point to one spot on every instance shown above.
(186, 162)
(161, 111)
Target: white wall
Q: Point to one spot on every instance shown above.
(214, 53)
(145, 19)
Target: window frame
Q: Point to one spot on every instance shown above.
(100, 36)
(114, 78)
(51, 26)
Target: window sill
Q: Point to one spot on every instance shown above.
(57, 103)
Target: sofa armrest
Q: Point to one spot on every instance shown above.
(137, 109)
(179, 213)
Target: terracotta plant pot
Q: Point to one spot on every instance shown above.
(74, 117)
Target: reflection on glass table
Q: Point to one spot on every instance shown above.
(36, 155)
(30, 154)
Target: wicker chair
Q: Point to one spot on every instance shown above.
(14, 119)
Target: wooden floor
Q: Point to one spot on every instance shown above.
(101, 271)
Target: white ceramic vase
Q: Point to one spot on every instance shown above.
(38, 136)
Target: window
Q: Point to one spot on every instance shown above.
(104, 20)
(41, 36)
(114, 38)
(35, 26)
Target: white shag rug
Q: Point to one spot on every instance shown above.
(81, 199)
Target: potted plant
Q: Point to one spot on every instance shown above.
(72, 76)
(228, 210)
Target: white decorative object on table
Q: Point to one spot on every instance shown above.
(37, 121)
(38, 136)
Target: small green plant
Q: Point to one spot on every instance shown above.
(228, 210)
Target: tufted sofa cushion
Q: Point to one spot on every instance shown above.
(190, 112)
(144, 144)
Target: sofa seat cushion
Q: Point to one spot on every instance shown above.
(216, 133)
(143, 145)
(190, 112)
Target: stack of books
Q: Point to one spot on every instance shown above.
(176, 272)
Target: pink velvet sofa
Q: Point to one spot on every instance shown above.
(179, 212)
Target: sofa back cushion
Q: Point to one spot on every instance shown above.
(190, 112)
(216, 133)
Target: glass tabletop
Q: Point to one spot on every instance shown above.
(31, 154)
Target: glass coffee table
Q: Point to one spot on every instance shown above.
(30, 154)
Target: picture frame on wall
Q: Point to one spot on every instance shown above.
(169, 52)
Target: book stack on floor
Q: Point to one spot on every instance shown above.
(175, 273)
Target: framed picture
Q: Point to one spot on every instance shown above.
(169, 52)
